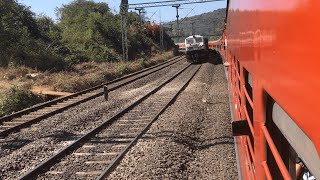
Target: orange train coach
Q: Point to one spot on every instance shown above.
(271, 52)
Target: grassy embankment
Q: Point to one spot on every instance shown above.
(16, 83)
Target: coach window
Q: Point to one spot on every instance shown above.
(290, 142)
(190, 41)
(248, 87)
(199, 40)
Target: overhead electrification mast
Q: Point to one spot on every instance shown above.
(124, 6)
(124, 11)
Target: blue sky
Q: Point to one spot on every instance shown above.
(48, 7)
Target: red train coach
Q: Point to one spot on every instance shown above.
(271, 51)
(213, 44)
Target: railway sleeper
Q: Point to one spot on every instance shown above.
(55, 172)
(55, 107)
(97, 162)
(13, 122)
(96, 154)
(30, 116)
(43, 111)
(94, 173)
(21, 120)
(5, 127)
(132, 120)
(135, 124)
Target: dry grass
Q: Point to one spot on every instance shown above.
(14, 76)
(82, 76)
(16, 82)
(89, 74)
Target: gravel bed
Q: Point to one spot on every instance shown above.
(25, 149)
(73, 164)
(191, 140)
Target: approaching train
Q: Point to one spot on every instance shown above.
(271, 52)
(196, 48)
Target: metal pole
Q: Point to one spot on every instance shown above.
(122, 37)
(161, 33)
(214, 27)
(177, 16)
(124, 32)
(140, 10)
(192, 24)
(126, 39)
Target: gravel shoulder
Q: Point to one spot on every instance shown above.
(191, 140)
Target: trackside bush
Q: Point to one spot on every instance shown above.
(122, 68)
(17, 99)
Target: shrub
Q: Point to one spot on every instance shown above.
(122, 68)
(17, 99)
(142, 62)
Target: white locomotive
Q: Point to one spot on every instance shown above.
(196, 48)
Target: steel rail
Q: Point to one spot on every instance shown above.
(39, 106)
(9, 118)
(117, 160)
(42, 167)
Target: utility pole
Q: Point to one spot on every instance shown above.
(161, 33)
(177, 16)
(140, 10)
(193, 32)
(124, 31)
(172, 3)
(214, 27)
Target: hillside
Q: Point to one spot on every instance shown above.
(210, 23)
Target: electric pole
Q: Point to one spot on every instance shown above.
(124, 32)
(214, 27)
(192, 28)
(161, 33)
(177, 16)
(140, 10)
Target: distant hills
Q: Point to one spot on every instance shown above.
(211, 23)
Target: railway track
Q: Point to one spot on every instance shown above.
(27, 117)
(95, 154)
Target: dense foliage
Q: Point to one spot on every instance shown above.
(89, 29)
(21, 40)
(86, 31)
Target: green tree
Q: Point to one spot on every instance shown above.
(22, 42)
(16, 26)
(90, 29)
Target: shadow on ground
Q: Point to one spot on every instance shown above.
(191, 142)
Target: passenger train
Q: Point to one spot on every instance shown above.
(270, 49)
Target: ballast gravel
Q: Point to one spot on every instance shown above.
(73, 164)
(191, 140)
(27, 148)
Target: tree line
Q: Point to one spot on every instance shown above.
(85, 31)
